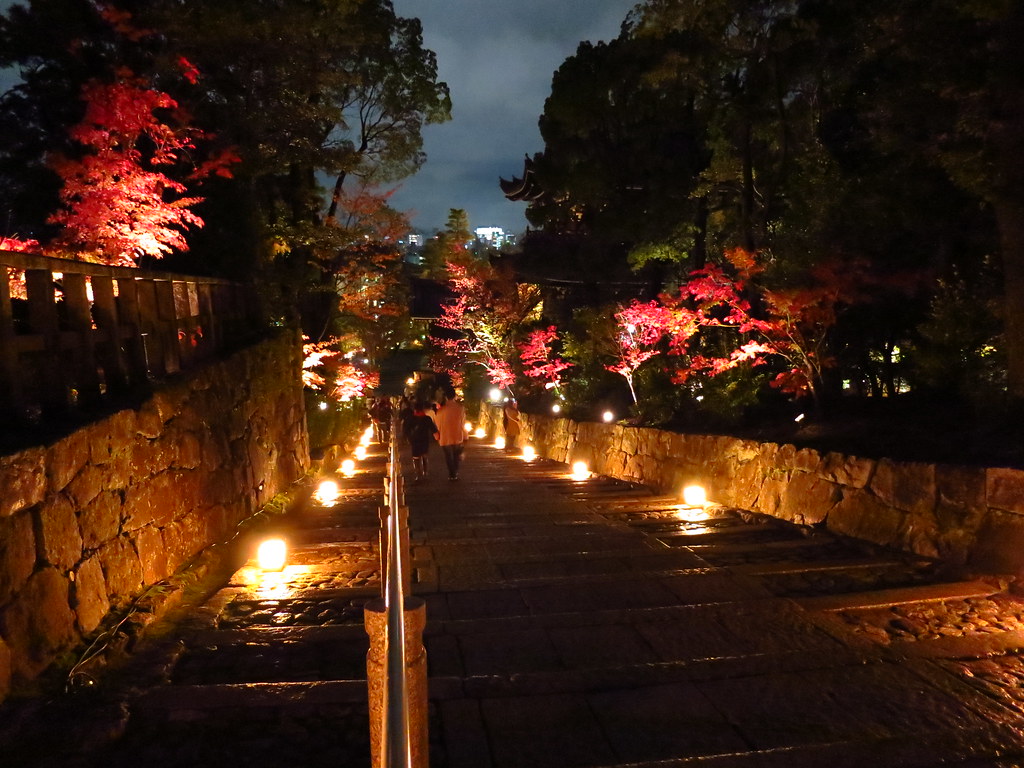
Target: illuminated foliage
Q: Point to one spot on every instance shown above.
(538, 358)
(488, 309)
(118, 207)
(640, 327)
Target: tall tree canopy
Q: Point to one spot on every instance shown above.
(809, 131)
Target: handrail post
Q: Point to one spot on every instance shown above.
(396, 663)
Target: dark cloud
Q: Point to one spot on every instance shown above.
(497, 57)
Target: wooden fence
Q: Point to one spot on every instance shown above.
(75, 336)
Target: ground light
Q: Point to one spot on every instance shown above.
(327, 493)
(608, 417)
(694, 496)
(529, 454)
(348, 467)
(499, 442)
(469, 427)
(367, 436)
(271, 555)
(480, 432)
(580, 471)
(360, 452)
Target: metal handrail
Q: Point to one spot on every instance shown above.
(396, 744)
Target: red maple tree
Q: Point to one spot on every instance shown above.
(487, 310)
(640, 327)
(792, 323)
(118, 204)
(538, 358)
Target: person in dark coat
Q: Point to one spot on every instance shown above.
(420, 430)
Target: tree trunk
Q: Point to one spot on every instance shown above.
(1010, 217)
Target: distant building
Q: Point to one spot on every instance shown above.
(415, 239)
(494, 236)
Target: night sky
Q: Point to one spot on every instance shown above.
(497, 57)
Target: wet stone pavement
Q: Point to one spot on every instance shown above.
(571, 623)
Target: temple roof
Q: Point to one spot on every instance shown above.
(522, 188)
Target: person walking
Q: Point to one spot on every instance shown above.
(420, 431)
(451, 426)
(510, 420)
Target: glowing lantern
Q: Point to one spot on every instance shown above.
(499, 442)
(529, 454)
(556, 408)
(361, 452)
(348, 467)
(327, 493)
(495, 395)
(469, 427)
(580, 470)
(480, 432)
(694, 496)
(608, 417)
(272, 554)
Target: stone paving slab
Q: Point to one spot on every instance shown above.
(565, 628)
(661, 657)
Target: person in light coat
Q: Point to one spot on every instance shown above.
(451, 429)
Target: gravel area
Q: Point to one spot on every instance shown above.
(948, 618)
(240, 614)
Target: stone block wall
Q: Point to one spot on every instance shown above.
(968, 516)
(90, 522)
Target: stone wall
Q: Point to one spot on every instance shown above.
(90, 522)
(969, 516)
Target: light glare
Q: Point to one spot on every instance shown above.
(694, 496)
(272, 554)
(327, 493)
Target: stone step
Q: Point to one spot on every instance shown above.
(887, 597)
